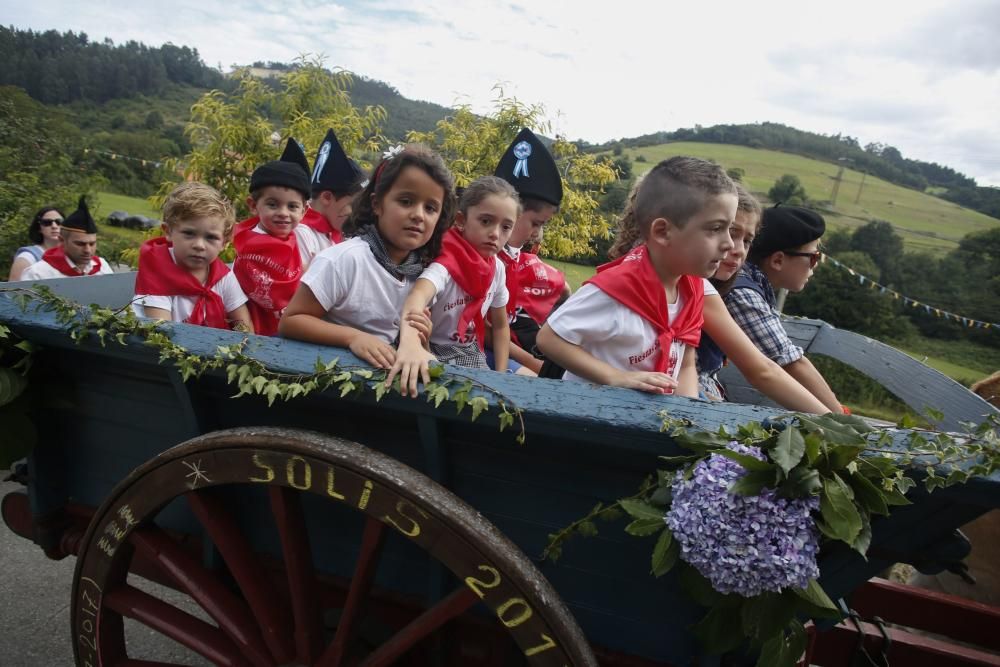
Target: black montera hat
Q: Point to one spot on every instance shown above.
(333, 170)
(529, 167)
(785, 228)
(80, 220)
(291, 171)
(293, 153)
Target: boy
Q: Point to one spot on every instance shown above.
(783, 255)
(76, 256)
(336, 178)
(268, 264)
(638, 322)
(534, 286)
(181, 278)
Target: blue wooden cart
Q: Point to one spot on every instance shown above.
(338, 531)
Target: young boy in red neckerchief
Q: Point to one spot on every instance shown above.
(76, 256)
(268, 263)
(534, 286)
(637, 323)
(336, 178)
(181, 277)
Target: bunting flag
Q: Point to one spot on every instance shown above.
(930, 310)
(118, 156)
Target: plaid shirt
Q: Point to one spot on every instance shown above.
(759, 320)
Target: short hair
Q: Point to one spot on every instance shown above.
(384, 176)
(257, 193)
(536, 205)
(196, 200)
(35, 228)
(677, 188)
(354, 188)
(483, 187)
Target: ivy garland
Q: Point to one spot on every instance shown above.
(247, 374)
(835, 469)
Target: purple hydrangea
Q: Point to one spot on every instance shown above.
(742, 544)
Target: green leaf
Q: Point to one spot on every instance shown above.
(766, 614)
(506, 419)
(813, 447)
(784, 648)
(854, 421)
(751, 483)
(700, 441)
(802, 481)
(258, 383)
(817, 603)
(789, 449)
(478, 405)
(346, 388)
(644, 527)
(907, 421)
(748, 462)
(840, 516)
(380, 390)
(720, 630)
(864, 538)
(868, 495)
(895, 498)
(640, 510)
(436, 371)
(12, 384)
(840, 456)
(665, 553)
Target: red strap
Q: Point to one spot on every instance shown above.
(632, 281)
(473, 273)
(56, 258)
(159, 275)
(268, 269)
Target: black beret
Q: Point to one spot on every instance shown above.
(283, 174)
(334, 171)
(80, 220)
(529, 167)
(786, 228)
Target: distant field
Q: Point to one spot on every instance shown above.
(575, 273)
(106, 202)
(925, 222)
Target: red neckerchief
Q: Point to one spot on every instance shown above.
(513, 288)
(268, 269)
(316, 221)
(541, 286)
(473, 273)
(632, 281)
(159, 275)
(56, 258)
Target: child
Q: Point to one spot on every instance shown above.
(181, 278)
(76, 255)
(335, 180)
(464, 282)
(718, 330)
(782, 256)
(638, 321)
(534, 286)
(352, 294)
(268, 264)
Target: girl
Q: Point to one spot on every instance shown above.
(44, 234)
(353, 292)
(719, 326)
(464, 283)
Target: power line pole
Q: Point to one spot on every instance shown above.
(836, 185)
(860, 187)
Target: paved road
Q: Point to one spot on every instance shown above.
(34, 612)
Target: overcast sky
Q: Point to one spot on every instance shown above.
(921, 75)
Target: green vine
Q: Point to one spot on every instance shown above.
(856, 472)
(247, 374)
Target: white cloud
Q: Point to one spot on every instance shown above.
(924, 77)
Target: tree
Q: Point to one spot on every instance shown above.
(472, 146)
(879, 240)
(154, 120)
(788, 190)
(736, 173)
(231, 133)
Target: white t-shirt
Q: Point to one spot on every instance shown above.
(614, 333)
(181, 307)
(311, 243)
(356, 291)
(450, 300)
(44, 271)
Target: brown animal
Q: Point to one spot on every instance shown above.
(983, 533)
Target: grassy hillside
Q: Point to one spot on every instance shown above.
(925, 222)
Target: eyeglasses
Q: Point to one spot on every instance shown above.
(45, 222)
(814, 257)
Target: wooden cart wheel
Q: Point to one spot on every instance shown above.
(262, 620)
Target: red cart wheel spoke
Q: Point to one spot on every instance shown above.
(199, 636)
(272, 612)
(421, 627)
(230, 612)
(250, 575)
(361, 583)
